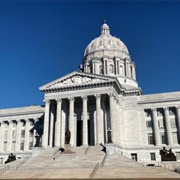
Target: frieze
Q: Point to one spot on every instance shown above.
(128, 105)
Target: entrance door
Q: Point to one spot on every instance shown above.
(79, 133)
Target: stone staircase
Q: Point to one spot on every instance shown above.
(50, 165)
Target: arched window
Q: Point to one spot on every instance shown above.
(111, 69)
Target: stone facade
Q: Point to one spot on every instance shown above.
(100, 100)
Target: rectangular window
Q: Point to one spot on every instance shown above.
(178, 155)
(149, 124)
(5, 146)
(173, 122)
(175, 138)
(13, 145)
(5, 134)
(1, 160)
(161, 123)
(163, 138)
(22, 133)
(22, 146)
(153, 156)
(150, 138)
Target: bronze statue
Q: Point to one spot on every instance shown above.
(67, 136)
(167, 155)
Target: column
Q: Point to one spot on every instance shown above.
(85, 120)
(35, 131)
(71, 120)
(178, 122)
(168, 126)
(156, 127)
(99, 121)
(27, 129)
(9, 140)
(58, 122)
(127, 68)
(46, 124)
(51, 125)
(2, 136)
(18, 135)
(112, 117)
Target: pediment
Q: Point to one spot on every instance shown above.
(76, 79)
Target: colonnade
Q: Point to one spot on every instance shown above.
(167, 125)
(11, 135)
(59, 124)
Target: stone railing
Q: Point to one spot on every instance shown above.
(4, 169)
(23, 161)
(104, 160)
(94, 171)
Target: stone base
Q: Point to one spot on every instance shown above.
(65, 157)
(68, 149)
(36, 151)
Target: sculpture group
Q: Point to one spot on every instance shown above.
(167, 155)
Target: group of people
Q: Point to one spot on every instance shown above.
(11, 158)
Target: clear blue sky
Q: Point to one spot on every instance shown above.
(41, 41)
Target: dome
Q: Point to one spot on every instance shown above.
(106, 42)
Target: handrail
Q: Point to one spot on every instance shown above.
(104, 160)
(23, 161)
(87, 149)
(4, 169)
(94, 171)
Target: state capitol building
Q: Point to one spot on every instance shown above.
(99, 103)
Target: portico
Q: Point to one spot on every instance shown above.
(88, 117)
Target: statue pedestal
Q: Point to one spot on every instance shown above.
(68, 149)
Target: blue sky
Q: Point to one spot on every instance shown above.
(41, 41)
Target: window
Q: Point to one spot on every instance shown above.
(173, 122)
(153, 156)
(121, 70)
(150, 138)
(159, 113)
(163, 138)
(22, 133)
(30, 145)
(13, 145)
(171, 112)
(175, 138)
(161, 123)
(5, 134)
(100, 69)
(14, 134)
(1, 160)
(111, 69)
(178, 155)
(22, 146)
(5, 146)
(149, 124)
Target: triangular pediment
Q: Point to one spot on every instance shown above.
(76, 79)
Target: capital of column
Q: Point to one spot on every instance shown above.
(71, 99)
(10, 122)
(153, 109)
(84, 97)
(166, 108)
(58, 100)
(47, 101)
(111, 95)
(97, 95)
